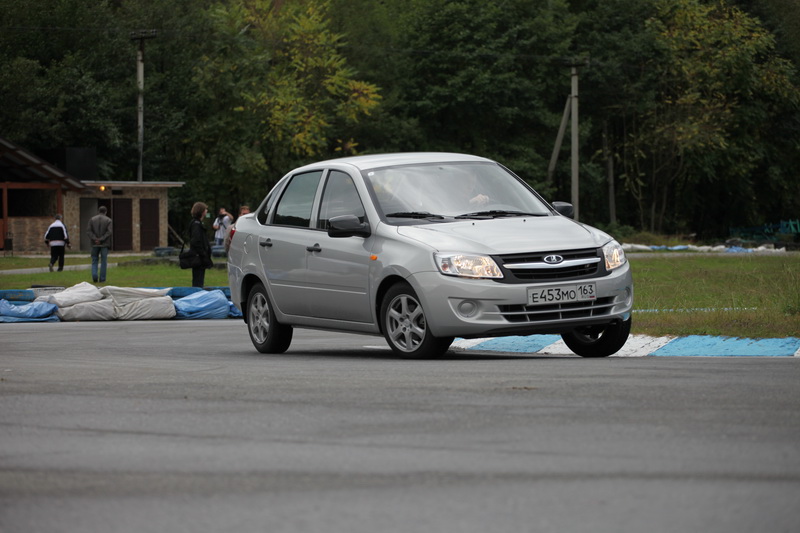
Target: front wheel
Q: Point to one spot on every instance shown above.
(405, 327)
(268, 335)
(598, 341)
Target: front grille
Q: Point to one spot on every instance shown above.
(536, 270)
(524, 314)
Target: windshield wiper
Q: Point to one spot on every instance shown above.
(496, 213)
(414, 214)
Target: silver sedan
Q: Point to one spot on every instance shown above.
(422, 248)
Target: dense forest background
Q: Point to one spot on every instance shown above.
(689, 109)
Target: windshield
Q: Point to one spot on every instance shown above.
(452, 190)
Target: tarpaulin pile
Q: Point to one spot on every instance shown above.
(30, 312)
(85, 302)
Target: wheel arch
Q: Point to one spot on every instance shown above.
(384, 286)
(248, 282)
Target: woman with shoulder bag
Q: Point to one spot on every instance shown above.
(198, 243)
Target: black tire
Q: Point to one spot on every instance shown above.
(405, 327)
(598, 341)
(268, 335)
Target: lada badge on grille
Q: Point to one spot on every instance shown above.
(553, 259)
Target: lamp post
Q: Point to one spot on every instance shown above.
(141, 35)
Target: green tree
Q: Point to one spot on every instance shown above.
(311, 89)
(170, 101)
(688, 92)
(617, 88)
(274, 91)
(485, 78)
(58, 66)
(686, 105)
(721, 84)
(782, 18)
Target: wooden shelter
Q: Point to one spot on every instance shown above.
(34, 190)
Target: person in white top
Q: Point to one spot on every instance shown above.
(57, 238)
(221, 225)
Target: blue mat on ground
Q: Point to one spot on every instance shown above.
(203, 305)
(529, 344)
(181, 292)
(713, 346)
(17, 295)
(31, 312)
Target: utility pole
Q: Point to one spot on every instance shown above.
(570, 112)
(141, 35)
(575, 141)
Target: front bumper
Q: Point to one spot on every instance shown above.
(459, 307)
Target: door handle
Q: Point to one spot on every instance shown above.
(265, 244)
(315, 248)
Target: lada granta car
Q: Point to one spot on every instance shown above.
(422, 248)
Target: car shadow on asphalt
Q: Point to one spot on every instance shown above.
(388, 355)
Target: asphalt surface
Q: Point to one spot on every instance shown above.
(182, 426)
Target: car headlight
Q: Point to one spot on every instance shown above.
(467, 265)
(614, 254)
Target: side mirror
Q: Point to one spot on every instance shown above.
(564, 208)
(348, 226)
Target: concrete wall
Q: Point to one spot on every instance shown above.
(27, 233)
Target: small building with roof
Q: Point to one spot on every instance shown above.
(35, 190)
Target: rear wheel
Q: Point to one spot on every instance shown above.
(598, 341)
(405, 327)
(268, 335)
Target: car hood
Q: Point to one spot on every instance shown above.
(507, 235)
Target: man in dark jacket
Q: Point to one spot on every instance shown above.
(99, 232)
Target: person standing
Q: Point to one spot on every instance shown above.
(221, 225)
(56, 237)
(198, 241)
(99, 232)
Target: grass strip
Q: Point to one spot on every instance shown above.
(735, 295)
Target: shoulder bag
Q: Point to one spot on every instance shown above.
(189, 258)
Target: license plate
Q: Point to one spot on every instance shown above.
(562, 294)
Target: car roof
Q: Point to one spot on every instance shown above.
(367, 162)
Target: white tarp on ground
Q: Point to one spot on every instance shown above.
(86, 311)
(140, 304)
(77, 294)
(153, 308)
(85, 302)
(127, 295)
